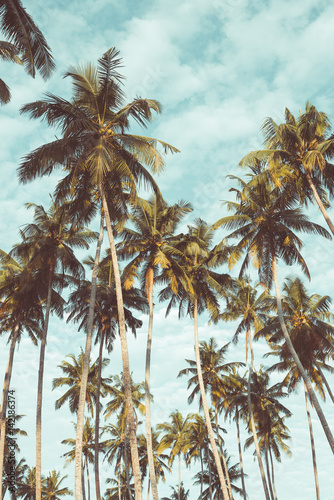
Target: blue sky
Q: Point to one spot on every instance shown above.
(218, 68)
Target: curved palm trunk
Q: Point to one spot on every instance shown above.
(150, 458)
(240, 455)
(319, 202)
(296, 359)
(4, 403)
(314, 459)
(325, 381)
(85, 368)
(251, 419)
(97, 421)
(268, 470)
(206, 409)
(40, 389)
(223, 456)
(125, 355)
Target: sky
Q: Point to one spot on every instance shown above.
(218, 68)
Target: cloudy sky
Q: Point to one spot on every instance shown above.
(218, 68)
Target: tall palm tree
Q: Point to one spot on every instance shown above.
(52, 489)
(94, 126)
(49, 241)
(150, 247)
(26, 488)
(298, 153)
(105, 323)
(159, 459)
(206, 287)
(20, 310)
(176, 438)
(265, 221)
(246, 303)
(198, 442)
(25, 43)
(179, 493)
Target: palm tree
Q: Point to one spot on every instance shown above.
(49, 241)
(159, 459)
(298, 153)
(105, 322)
(122, 489)
(176, 437)
(179, 493)
(20, 309)
(265, 220)
(26, 44)
(87, 450)
(72, 379)
(150, 246)
(52, 489)
(95, 142)
(26, 488)
(198, 442)
(116, 447)
(206, 286)
(244, 302)
(13, 475)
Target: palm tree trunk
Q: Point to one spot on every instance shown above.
(222, 455)
(325, 381)
(119, 482)
(127, 479)
(179, 486)
(85, 368)
(88, 479)
(40, 388)
(210, 475)
(319, 202)
(4, 403)
(201, 459)
(97, 420)
(314, 459)
(240, 455)
(296, 359)
(251, 419)
(206, 409)
(268, 470)
(272, 474)
(151, 468)
(125, 355)
(83, 483)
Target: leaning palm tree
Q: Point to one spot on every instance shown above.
(206, 286)
(298, 153)
(49, 241)
(94, 141)
(176, 438)
(25, 43)
(52, 489)
(265, 221)
(150, 245)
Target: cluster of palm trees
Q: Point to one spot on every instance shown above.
(102, 167)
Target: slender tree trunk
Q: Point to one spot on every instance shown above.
(85, 368)
(251, 419)
(210, 475)
(40, 388)
(97, 420)
(206, 409)
(201, 459)
(325, 381)
(119, 482)
(223, 455)
(127, 479)
(240, 455)
(149, 444)
(179, 487)
(88, 479)
(268, 470)
(314, 459)
(296, 359)
(125, 356)
(272, 474)
(83, 482)
(4, 403)
(319, 202)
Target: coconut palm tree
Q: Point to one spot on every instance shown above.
(105, 323)
(20, 310)
(25, 43)
(26, 488)
(159, 459)
(73, 373)
(265, 221)
(246, 303)
(13, 475)
(49, 243)
(52, 489)
(206, 287)
(198, 443)
(121, 489)
(94, 139)
(298, 153)
(150, 246)
(176, 438)
(179, 493)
